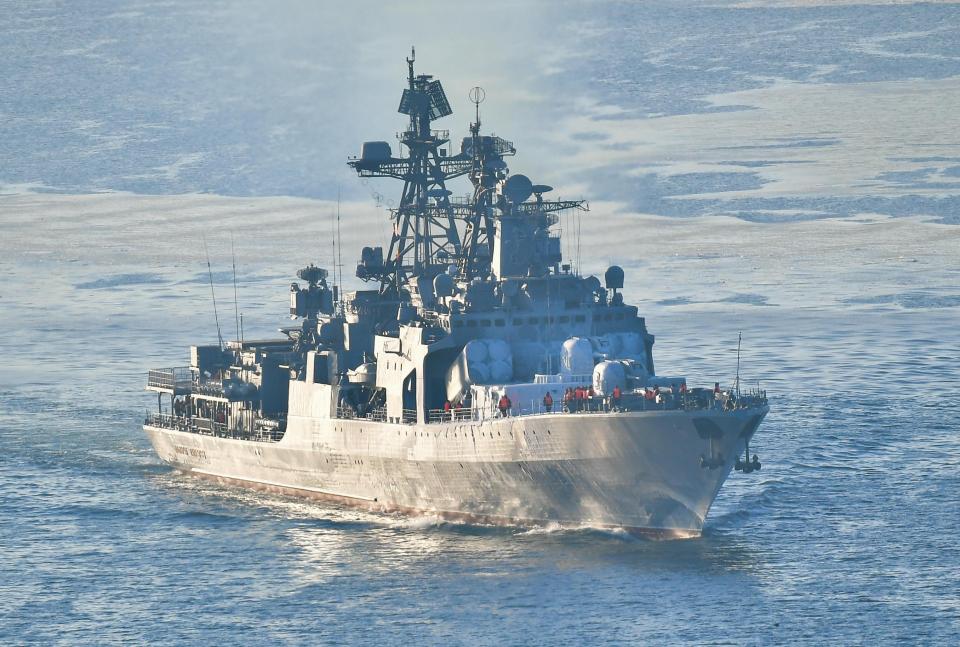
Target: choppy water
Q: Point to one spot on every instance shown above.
(788, 171)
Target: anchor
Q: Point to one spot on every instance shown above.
(746, 465)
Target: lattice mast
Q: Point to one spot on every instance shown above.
(484, 174)
(425, 237)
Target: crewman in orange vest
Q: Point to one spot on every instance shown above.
(548, 402)
(504, 405)
(616, 396)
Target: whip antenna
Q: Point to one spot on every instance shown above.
(333, 253)
(339, 259)
(236, 311)
(737, 381)
(213, 294)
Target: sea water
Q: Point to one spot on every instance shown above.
(787, 170)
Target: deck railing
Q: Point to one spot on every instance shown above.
(453, 415)
(207, 427)
(701, 400)
(695, 400)
(586, 378)
(170, 379)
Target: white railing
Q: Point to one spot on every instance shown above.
(584, 378)
(170, 379)
(206, 427)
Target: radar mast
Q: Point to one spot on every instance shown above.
(425, 237)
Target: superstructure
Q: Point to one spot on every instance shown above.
(478, 377)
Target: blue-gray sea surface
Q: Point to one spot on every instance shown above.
(786, 169)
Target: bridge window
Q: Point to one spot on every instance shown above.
(471, 323)
(485, 323)
(499, 323)
(564, 319)
(579, 318)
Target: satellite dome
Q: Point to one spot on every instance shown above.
(614, 277)
(517, 188)
(443, 285)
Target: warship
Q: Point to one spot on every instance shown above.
(480, 377)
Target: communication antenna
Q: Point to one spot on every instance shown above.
(339, 259)
(213, 295)
(333, 248)
(737, 381)
(236, 310)
(477, 95)
(578, 219)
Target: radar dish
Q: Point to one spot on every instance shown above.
(413, 102)
(432, 100)
(517, 188)
(541, 188)
(439, 106)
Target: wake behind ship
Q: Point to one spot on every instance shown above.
(479, 378)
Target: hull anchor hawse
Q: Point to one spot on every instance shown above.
(478, 377)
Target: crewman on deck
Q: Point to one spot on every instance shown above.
(615, 400)
(504, 405)
(548, 403)
(568, 400)
(447, 407)
(716, 388)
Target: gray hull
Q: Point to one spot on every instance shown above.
(643, 471)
